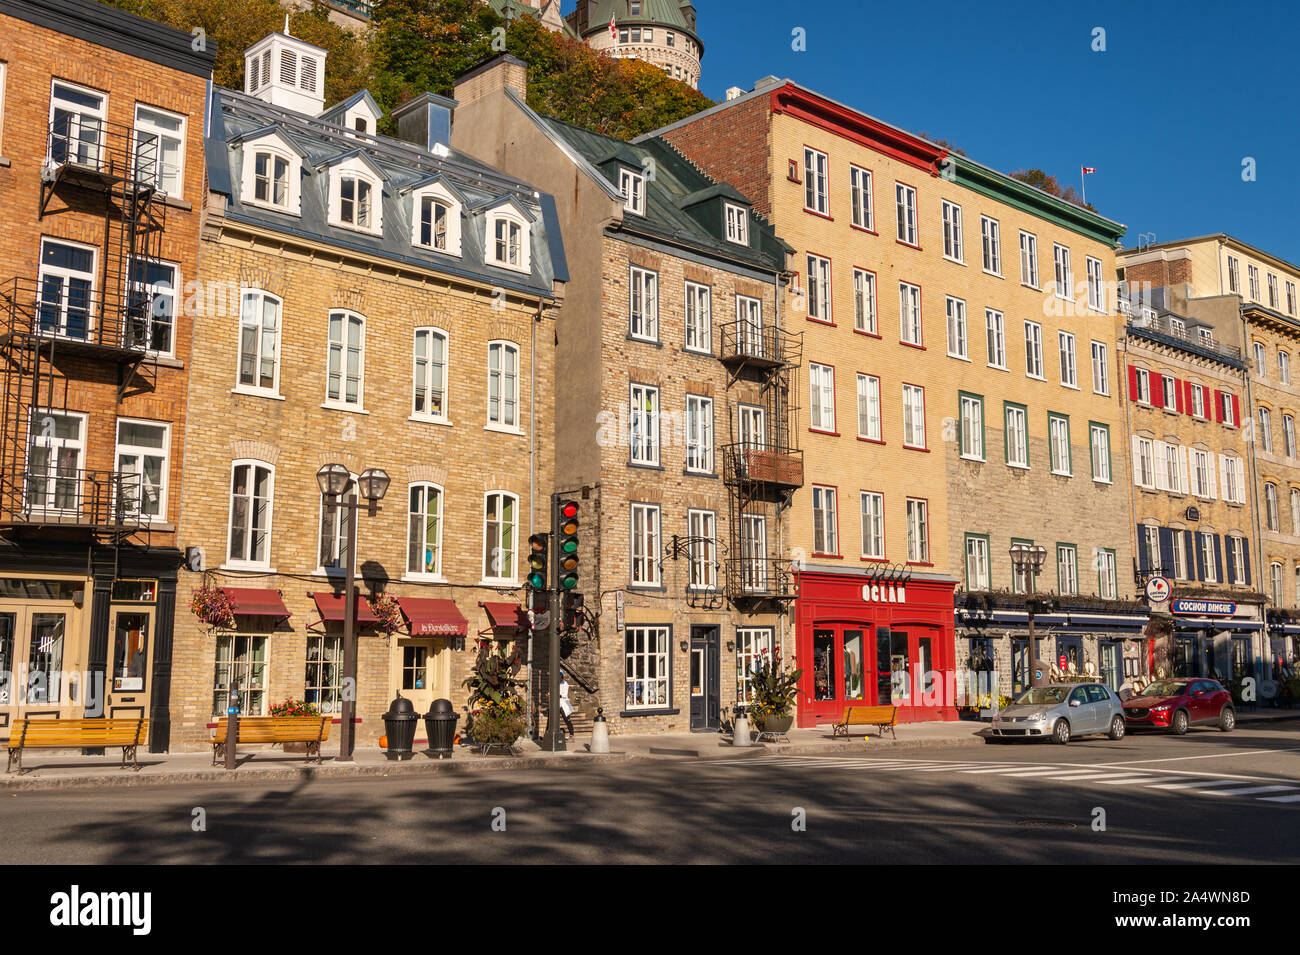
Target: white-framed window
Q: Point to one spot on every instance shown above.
(972, 427)
(909, 307)
(1290, 286)
(632, 184)
(1288, 435)
(913, 416)
(1107, 582)
(424, 530)
(643, 305)
(1029, 259)
(1201, 472)
(825, 521)
(259, 342)
(1270, 507)
(1067, 570)
(991, 243)
(436, 221)
(1180, 554)
(1096, 285)
(753, 645)
(819, 288)
(503, 385)
(1169, 392)
(1261, 361)
(252, 499)
(1017, 436)
(869, 408)
(1069, 365)
(1207, 553)
(873, 525)
(1198, 401)
(1295, 510)
(332, 549)
(955, 309)
(157, 284)
(737, 222)
(1237, 558)
(1143, 378)
(1034, 350)
(753, 553)
(356, 197)
(1151, 541)
(1234, 276)
(1252, 275)
(646, 667)
(1284, 367)
(1099, 442)
(864, 302)
(1100, 369)
(821, 387)
(699, 434)
(56, 448)
(1144, 462)
(1064, 273)
(864, 214)
(323, 681)
(699, 317)
(77, 116)
(702, 551)
(905, 200)
(645, 545)
(500, 524)
(240, 661)
(1229, 413)
(1169, 467)
(66, 278)
(1228, 478)
(977, 563)
(749, 326)
(814, 181)
(952, 245)
(1058, 432)
(346, 361)
(271, 181)
(509, 241)
(643, 424)
(429, 374)
(1206, 336)
(1265, 428)
(160, 149)
(143, 451)
(1275, 578)
(996, 338)
(918, 531)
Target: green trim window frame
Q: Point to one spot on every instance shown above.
(1099, 447)
(1067, 569)
(978, 548)
(1107, 588)
(971, 416)
(1016, 434)
(1022, 582)
(1058, 440)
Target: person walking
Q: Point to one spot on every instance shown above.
(566, 708)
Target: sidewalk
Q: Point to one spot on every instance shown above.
(54, 769)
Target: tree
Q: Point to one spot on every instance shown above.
(1049, 184)
(944, 143)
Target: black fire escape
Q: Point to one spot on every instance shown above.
(66, 328)
(761, 467)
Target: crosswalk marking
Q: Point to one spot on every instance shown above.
(1131, 780)
(1250, 791)
(1198, 784)
(1295, 798)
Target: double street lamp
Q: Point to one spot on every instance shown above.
(373, 485)
(1028, 560)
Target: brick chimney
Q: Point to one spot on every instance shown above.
(1160, 268)
(499, 73)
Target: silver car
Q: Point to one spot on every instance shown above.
(1061, 711)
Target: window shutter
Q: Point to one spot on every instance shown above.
(1224, 464)
(1209, 467)
(1178, 396)
(1218, 406)
(1144, 559)
(1236, 411)
(1166, 550)
(1232, 562)
(1245, 558)
(1162, 467)
(1132, 383)
(1241, 480)
(1184, 482)
(1200, 554)
(1157, 390)
(288, 67)
(308, 77)
(1137, 468)
(1218, 558)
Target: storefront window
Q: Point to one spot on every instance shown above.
(1020, 680)
(324, 668)
(853, 678)
(1111, 674)
(1184, 662)
(1241, 667)
(899, 671)
(45, 660)
(6, 655)
(130, 642)
(241, 661)
(926, 683)
(981, 654)
(751, 642)
(823, 665)
(884, 674)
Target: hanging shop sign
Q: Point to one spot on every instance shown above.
(1159, 589)
(1203, 608)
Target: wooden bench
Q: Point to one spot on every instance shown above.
(882, 717)
(312, 730)
(76, 734)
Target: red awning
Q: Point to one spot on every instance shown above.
(430, 617)
(253, 602)
(331, 607)
(505, 616)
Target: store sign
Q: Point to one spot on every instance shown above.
(884, 593)
(1159, 589)
(128, 684)
(1204, 608)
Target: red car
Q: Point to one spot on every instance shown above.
(1177, 704)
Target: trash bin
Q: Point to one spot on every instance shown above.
(399, 727)
(440, 725)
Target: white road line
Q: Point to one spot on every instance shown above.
(1250, 791)
(1175, 759)
(1076, 775)
(1130, 780)
(1197, 784)
(1045, 771)
(996, 769)
(1295, 798)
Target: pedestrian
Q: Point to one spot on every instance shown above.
(566, 708)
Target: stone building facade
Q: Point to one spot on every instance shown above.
(663, 33)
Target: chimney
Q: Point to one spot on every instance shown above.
(286, 72)
(734, 92)
(497, 74)
(425, 121)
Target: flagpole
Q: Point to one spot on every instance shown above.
(1083, 185)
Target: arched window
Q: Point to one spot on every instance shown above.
(346, 362)
(424, 530)
(507, 241)
(429, 374)
(503, 385)
(335, 523)
(500, 518)
(435, 220)
(252, 490)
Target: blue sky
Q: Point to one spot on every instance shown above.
(1183, 93)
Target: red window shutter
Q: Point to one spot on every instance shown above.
(1236, 411)
(1178, 396)
(1157, 390)
(1132, 383)
(1187, 397)
(1218, 405)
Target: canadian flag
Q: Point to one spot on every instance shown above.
(1088, 169)
(613, 29)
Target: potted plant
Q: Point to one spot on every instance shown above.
(213, 606)
(772, 690)
(496, 709)
(292, 707)
(386, 608)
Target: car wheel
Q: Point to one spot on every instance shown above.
(1117, 728)
(1061, 732)
(1227, 719)
(1180, 723)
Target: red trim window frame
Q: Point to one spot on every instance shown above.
(927, 562)
(916, 214)
(830, 289)
(871, 208)
(925, 431)
(793, 170)
(825, 553)
(834, 432)
(884, 527)
(806, 208)
(920, 315)
(875, 284)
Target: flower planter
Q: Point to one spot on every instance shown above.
(776, 724)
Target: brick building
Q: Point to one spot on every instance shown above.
(672, 417)
(387, 304)
(101, 139)
(959, 348)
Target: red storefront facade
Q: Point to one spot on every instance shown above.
(865, 641)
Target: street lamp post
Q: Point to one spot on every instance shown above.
(373, 485)
(1029, 559)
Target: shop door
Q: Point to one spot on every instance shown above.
(706, 685)
(128, 676)
(424, 673)
(841, 671)
(1069, 655)
(1111, 672)
(35, 658)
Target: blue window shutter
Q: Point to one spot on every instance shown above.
(1200, 554)
(1232, 564)
(1166, 550)
(1245, 557)
(1218, 558)
(1144, 562)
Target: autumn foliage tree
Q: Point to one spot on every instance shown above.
(1049, 184)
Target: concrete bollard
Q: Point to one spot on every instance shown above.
(741, 735)
(600, 732)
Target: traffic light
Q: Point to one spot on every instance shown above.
(572, 610)
(566, 557)
(538, 550)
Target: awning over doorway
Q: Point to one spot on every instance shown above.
(1217, 624)
(433, 617)
(331, 608)
(504, 616)
(255, 602)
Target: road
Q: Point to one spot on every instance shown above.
(1206, 797)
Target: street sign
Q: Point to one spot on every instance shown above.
(1159, 589)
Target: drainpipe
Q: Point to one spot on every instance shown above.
(532, 474)
(1128, 478)
(1254, 465)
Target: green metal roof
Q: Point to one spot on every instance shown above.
(677, 14)
(514, 9)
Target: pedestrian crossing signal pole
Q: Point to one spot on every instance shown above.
(553, 740)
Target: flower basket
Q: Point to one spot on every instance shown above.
(389, 612)
(211, 605)
(498, 726)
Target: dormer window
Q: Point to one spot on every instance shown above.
(362, 125)
(356, 196)
(634, 8)
(272, 172)
(435, 220)
(737, 224)
(632, 185)
(508, 242)
(270, 178)
(356, 203)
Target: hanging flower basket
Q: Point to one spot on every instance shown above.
(386, 608)
(211, 605)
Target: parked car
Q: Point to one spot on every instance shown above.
(1175, 705)
(1061, 711)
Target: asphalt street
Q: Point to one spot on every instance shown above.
(1207, 797)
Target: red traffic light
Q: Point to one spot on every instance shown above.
(568, 509)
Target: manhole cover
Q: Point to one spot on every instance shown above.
(1047, 824)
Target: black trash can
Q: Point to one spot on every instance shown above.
(440, 725)
(399, 727)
